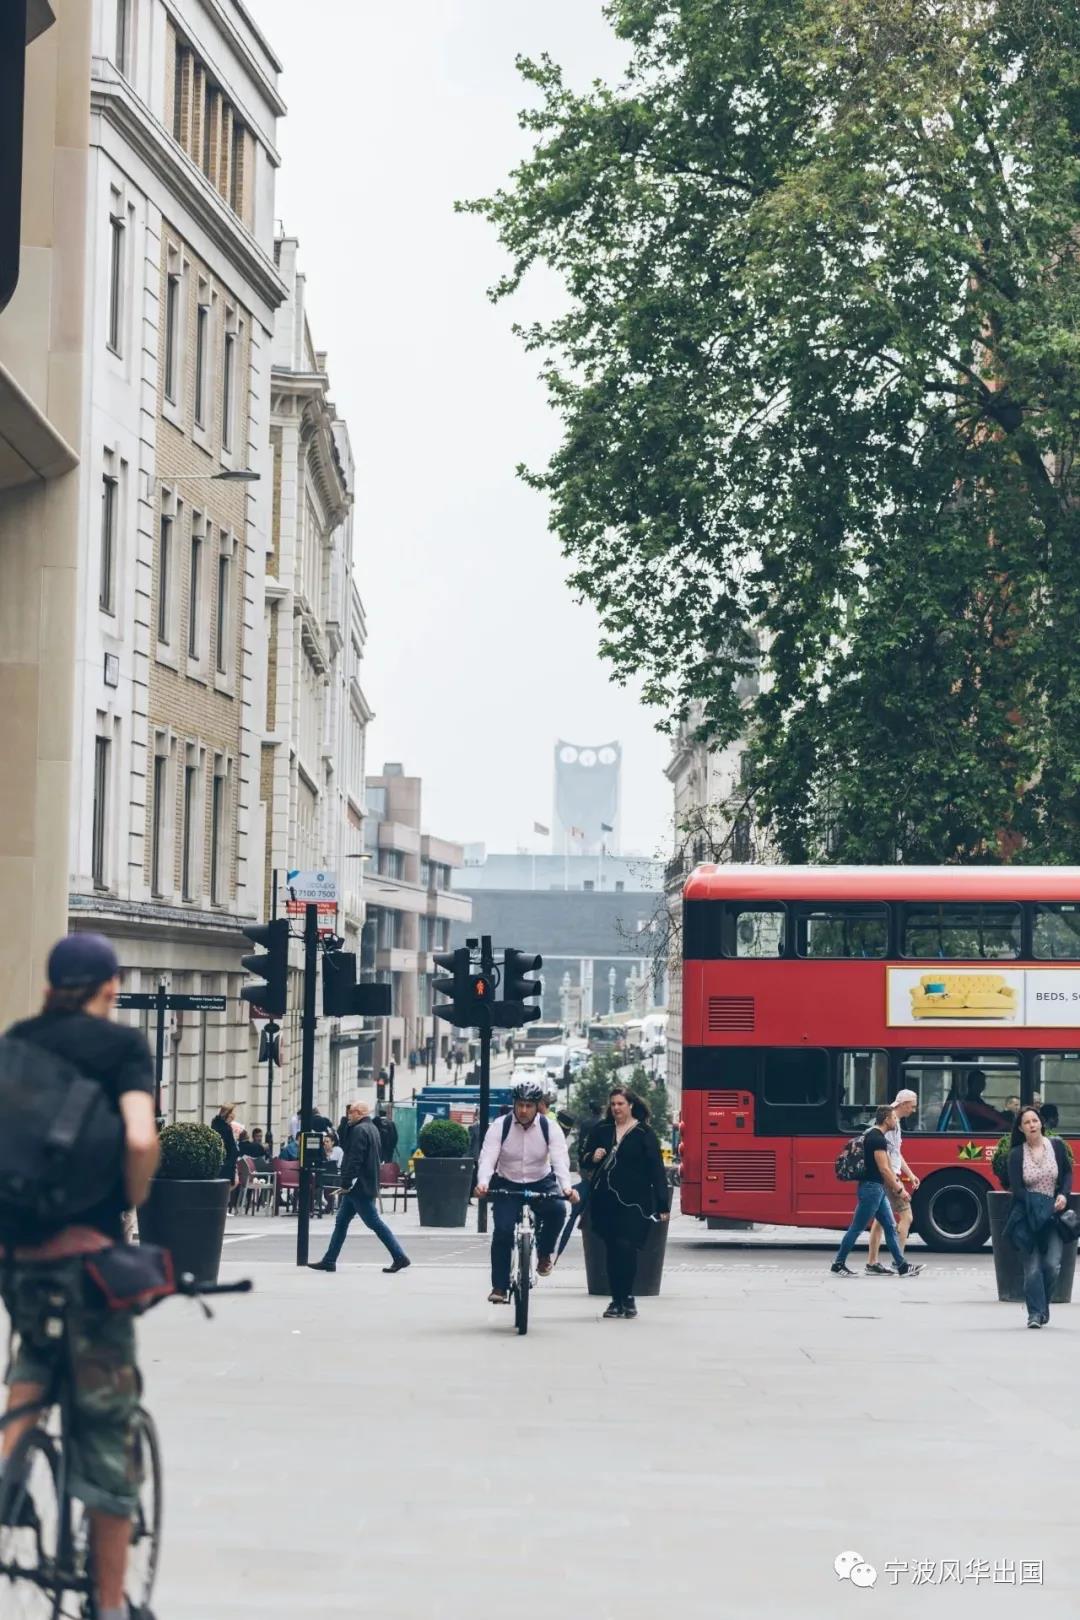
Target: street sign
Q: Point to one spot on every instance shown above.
(131, 1001)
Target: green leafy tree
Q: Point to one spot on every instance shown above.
(606, 1070)
(818, 374)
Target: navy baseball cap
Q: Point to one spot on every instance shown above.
(82, 961)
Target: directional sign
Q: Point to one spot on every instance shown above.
(130, 1001)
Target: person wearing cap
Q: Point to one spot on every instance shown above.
(903, 1107)
(76, 1025)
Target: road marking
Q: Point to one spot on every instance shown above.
(248, 1237)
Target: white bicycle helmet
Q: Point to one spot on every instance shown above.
(533, 1091)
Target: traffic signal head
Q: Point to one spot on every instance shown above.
(517, 988)
(343, 997)
(272, 995)
(457, 985)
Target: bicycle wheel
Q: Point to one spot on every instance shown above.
(146, 1524)
(524, 1282)
(32, 1540)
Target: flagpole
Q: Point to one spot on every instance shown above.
(566, 860)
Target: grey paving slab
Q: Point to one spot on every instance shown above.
(357, 1444)
(367, 1445)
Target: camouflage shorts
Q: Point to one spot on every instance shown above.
(104, 1459)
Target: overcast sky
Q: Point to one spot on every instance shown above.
(478, 658)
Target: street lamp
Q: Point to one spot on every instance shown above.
(230, 475)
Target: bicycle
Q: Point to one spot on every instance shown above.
(46, 1568)
(523, 1253)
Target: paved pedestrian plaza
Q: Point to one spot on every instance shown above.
(359, 1444)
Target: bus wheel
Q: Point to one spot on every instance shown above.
(950, 1212)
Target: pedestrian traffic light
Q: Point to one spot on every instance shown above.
(471, 994)
(343, 997)
(517, 990)
(272, 996)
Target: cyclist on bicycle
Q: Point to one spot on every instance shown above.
(526, 1152)
(75, 1024)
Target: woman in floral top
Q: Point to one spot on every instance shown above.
(1040, 1180)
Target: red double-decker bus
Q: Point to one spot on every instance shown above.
(812, 994)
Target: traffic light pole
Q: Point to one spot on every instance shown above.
(159, 1046)
(307, 1077)
(487, 963)
(485, 1110)
(272, 1029)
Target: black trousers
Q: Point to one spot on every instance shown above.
(622, 1259)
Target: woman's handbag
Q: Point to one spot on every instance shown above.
(1068, 1224)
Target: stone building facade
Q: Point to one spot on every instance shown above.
(42, 412)
(312, 769)
(410, 911)
(174, 522)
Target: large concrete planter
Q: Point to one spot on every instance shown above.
(650, 1267)
(443, 1187)
(1009, 1262)
(188, 1219)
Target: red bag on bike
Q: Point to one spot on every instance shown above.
(132, 1277)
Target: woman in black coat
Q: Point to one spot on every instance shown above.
(629, 1191)
(1040, 1180)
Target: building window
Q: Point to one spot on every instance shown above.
(217, 834)
(202, 338)
(107, 576)
(172, 336)
(165, 548)
(187, 858)
(101, 807)
(237, 177)
(123, 34)
(157, 840)
(228, 386)
(194, 587)
(222, 627)
(116, 277)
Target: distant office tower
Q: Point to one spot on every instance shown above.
(586, 798)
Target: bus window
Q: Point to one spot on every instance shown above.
(864, 1086)
(794, 1078)
(968, 1093)
(1057, 933)
(1057, 1090)
(986, 933)
(758, 930)
(832, 931)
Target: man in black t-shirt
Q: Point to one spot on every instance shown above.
(76, 1024)
(871, 1201)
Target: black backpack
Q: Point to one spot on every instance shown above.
(61, 1143)
(851, 1160)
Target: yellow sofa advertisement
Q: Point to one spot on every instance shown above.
(982, 996)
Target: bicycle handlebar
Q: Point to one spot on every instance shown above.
(526, 1193)
(187, 1285)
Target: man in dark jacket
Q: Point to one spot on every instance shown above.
(360, 1175)
(388, 1135)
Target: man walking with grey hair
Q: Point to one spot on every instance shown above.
(900, 1202)
(360, 1178)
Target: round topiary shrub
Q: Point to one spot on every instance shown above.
(191, 1153)
(443, 1139)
